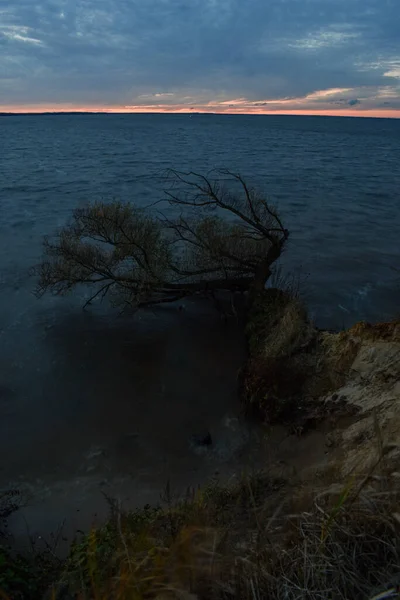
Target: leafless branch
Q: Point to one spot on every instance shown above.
(148, 259)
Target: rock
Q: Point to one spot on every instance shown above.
(203, 439)
(95, 453)
(363, 364)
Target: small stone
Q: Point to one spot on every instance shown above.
(203, 439)
(95, 453)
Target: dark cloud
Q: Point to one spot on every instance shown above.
(135, 52)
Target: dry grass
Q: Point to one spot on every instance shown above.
(277, 325)
(341, 549)
(279, 334)
(259, 538)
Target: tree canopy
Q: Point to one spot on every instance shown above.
(207, 235)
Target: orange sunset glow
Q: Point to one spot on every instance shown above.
(373, 113)
(295, 58)
(318, 103)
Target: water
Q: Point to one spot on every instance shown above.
(336, 181)
(89, 400)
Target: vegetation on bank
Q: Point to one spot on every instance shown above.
(260, 537)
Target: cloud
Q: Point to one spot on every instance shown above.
(338, 36)
(18, 34)
(210, 54)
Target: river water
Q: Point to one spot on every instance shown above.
(93, 402)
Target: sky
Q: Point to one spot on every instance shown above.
(226, 56)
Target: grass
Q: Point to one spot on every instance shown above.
(279, 335)
(257, 538)
(277, 324)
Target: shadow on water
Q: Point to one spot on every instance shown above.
(118, 406)
(159, 378)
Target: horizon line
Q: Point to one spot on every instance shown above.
(372, 113)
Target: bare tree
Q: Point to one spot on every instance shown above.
(223, 239)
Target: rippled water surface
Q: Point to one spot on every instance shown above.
(336, 180)
(89, 396)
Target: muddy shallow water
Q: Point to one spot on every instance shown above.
(115, 398)
(114, 410)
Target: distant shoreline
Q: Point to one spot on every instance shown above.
(188, 114)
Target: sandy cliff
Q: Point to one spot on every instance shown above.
(348, 383)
